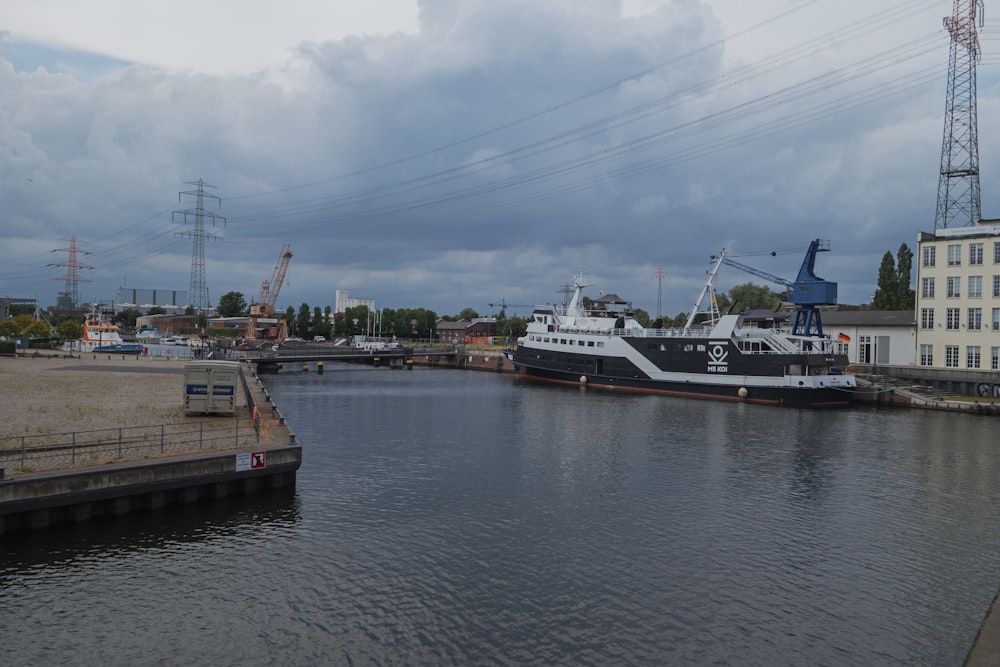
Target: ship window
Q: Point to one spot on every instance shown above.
(580, 343)
(688, 347)
(562, 341)
(701, 347)
(600, 343)
(546, 339)
(590, 343)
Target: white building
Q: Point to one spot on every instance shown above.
(342, 302)
(958, 297)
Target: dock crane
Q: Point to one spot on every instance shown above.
(268, 296)
(503, 305)
(807, 290)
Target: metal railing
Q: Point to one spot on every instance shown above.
(54, 451)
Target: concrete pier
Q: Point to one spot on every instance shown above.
(38, 500)
(266, 457)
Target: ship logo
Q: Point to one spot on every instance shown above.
(718, 355)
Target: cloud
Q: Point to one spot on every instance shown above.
(486, 152)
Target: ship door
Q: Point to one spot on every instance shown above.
(599, 367)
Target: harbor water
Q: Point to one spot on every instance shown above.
(455, 517)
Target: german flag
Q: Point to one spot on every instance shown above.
(843, 338)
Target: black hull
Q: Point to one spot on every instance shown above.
(822, 397)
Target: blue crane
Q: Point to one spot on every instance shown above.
(807, 291)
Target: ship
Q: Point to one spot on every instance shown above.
(605, 347)
(101, 336)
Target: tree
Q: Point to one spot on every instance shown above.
(750, 297)
(8, 328)
(304, 320)
(70, 329)
(885, 297)
(24, 325)
(232, 304)
(894, 292)
(127, 316)
(904, 264)
(156, 310)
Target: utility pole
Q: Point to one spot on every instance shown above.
(659, 292)
(958, 188)
(198, 292)
(69, 299)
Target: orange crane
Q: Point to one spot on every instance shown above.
(268, 296)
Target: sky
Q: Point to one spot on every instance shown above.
(452, 154)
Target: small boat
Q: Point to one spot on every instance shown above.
(167, 340)
(101, 336)
(121, 348)
(606, 348)
(148, 335)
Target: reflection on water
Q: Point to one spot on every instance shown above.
(448, 517)
(273, 509)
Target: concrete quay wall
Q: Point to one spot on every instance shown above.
(476, 360)
(38, 501)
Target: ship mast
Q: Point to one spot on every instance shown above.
(706, 291)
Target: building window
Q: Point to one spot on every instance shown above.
(975, 254)
(864, 349)
(927, 287)
(955, 255)
(996, 252)
(929, 254)
(953, 318)
(996, 319)
(840, 347)
(954, 287)
(996, 287)
(975, 287)
(972, 356)
(975, 319)
(927, 317)
(927, 355)
(995, 358)
(951, 356)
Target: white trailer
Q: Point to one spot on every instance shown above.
(210, 387)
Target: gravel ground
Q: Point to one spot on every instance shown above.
(46, 395)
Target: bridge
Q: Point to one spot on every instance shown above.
(394, 357)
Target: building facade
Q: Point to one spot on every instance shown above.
(958, 298)
(342, 302)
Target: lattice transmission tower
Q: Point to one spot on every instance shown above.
(198, 291)
(658, 274)
(69, 299)
(958, 188)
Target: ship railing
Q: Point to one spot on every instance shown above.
(783, 342)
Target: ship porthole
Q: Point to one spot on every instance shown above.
(743, 393)
(583, 379)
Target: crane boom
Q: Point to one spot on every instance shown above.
(269, 289)
(268, 296)
(757, 272)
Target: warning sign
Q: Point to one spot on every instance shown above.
(251, 461)
(258, 460)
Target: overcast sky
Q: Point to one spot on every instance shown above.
(457, 153)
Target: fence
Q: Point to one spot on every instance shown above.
(55, 451)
